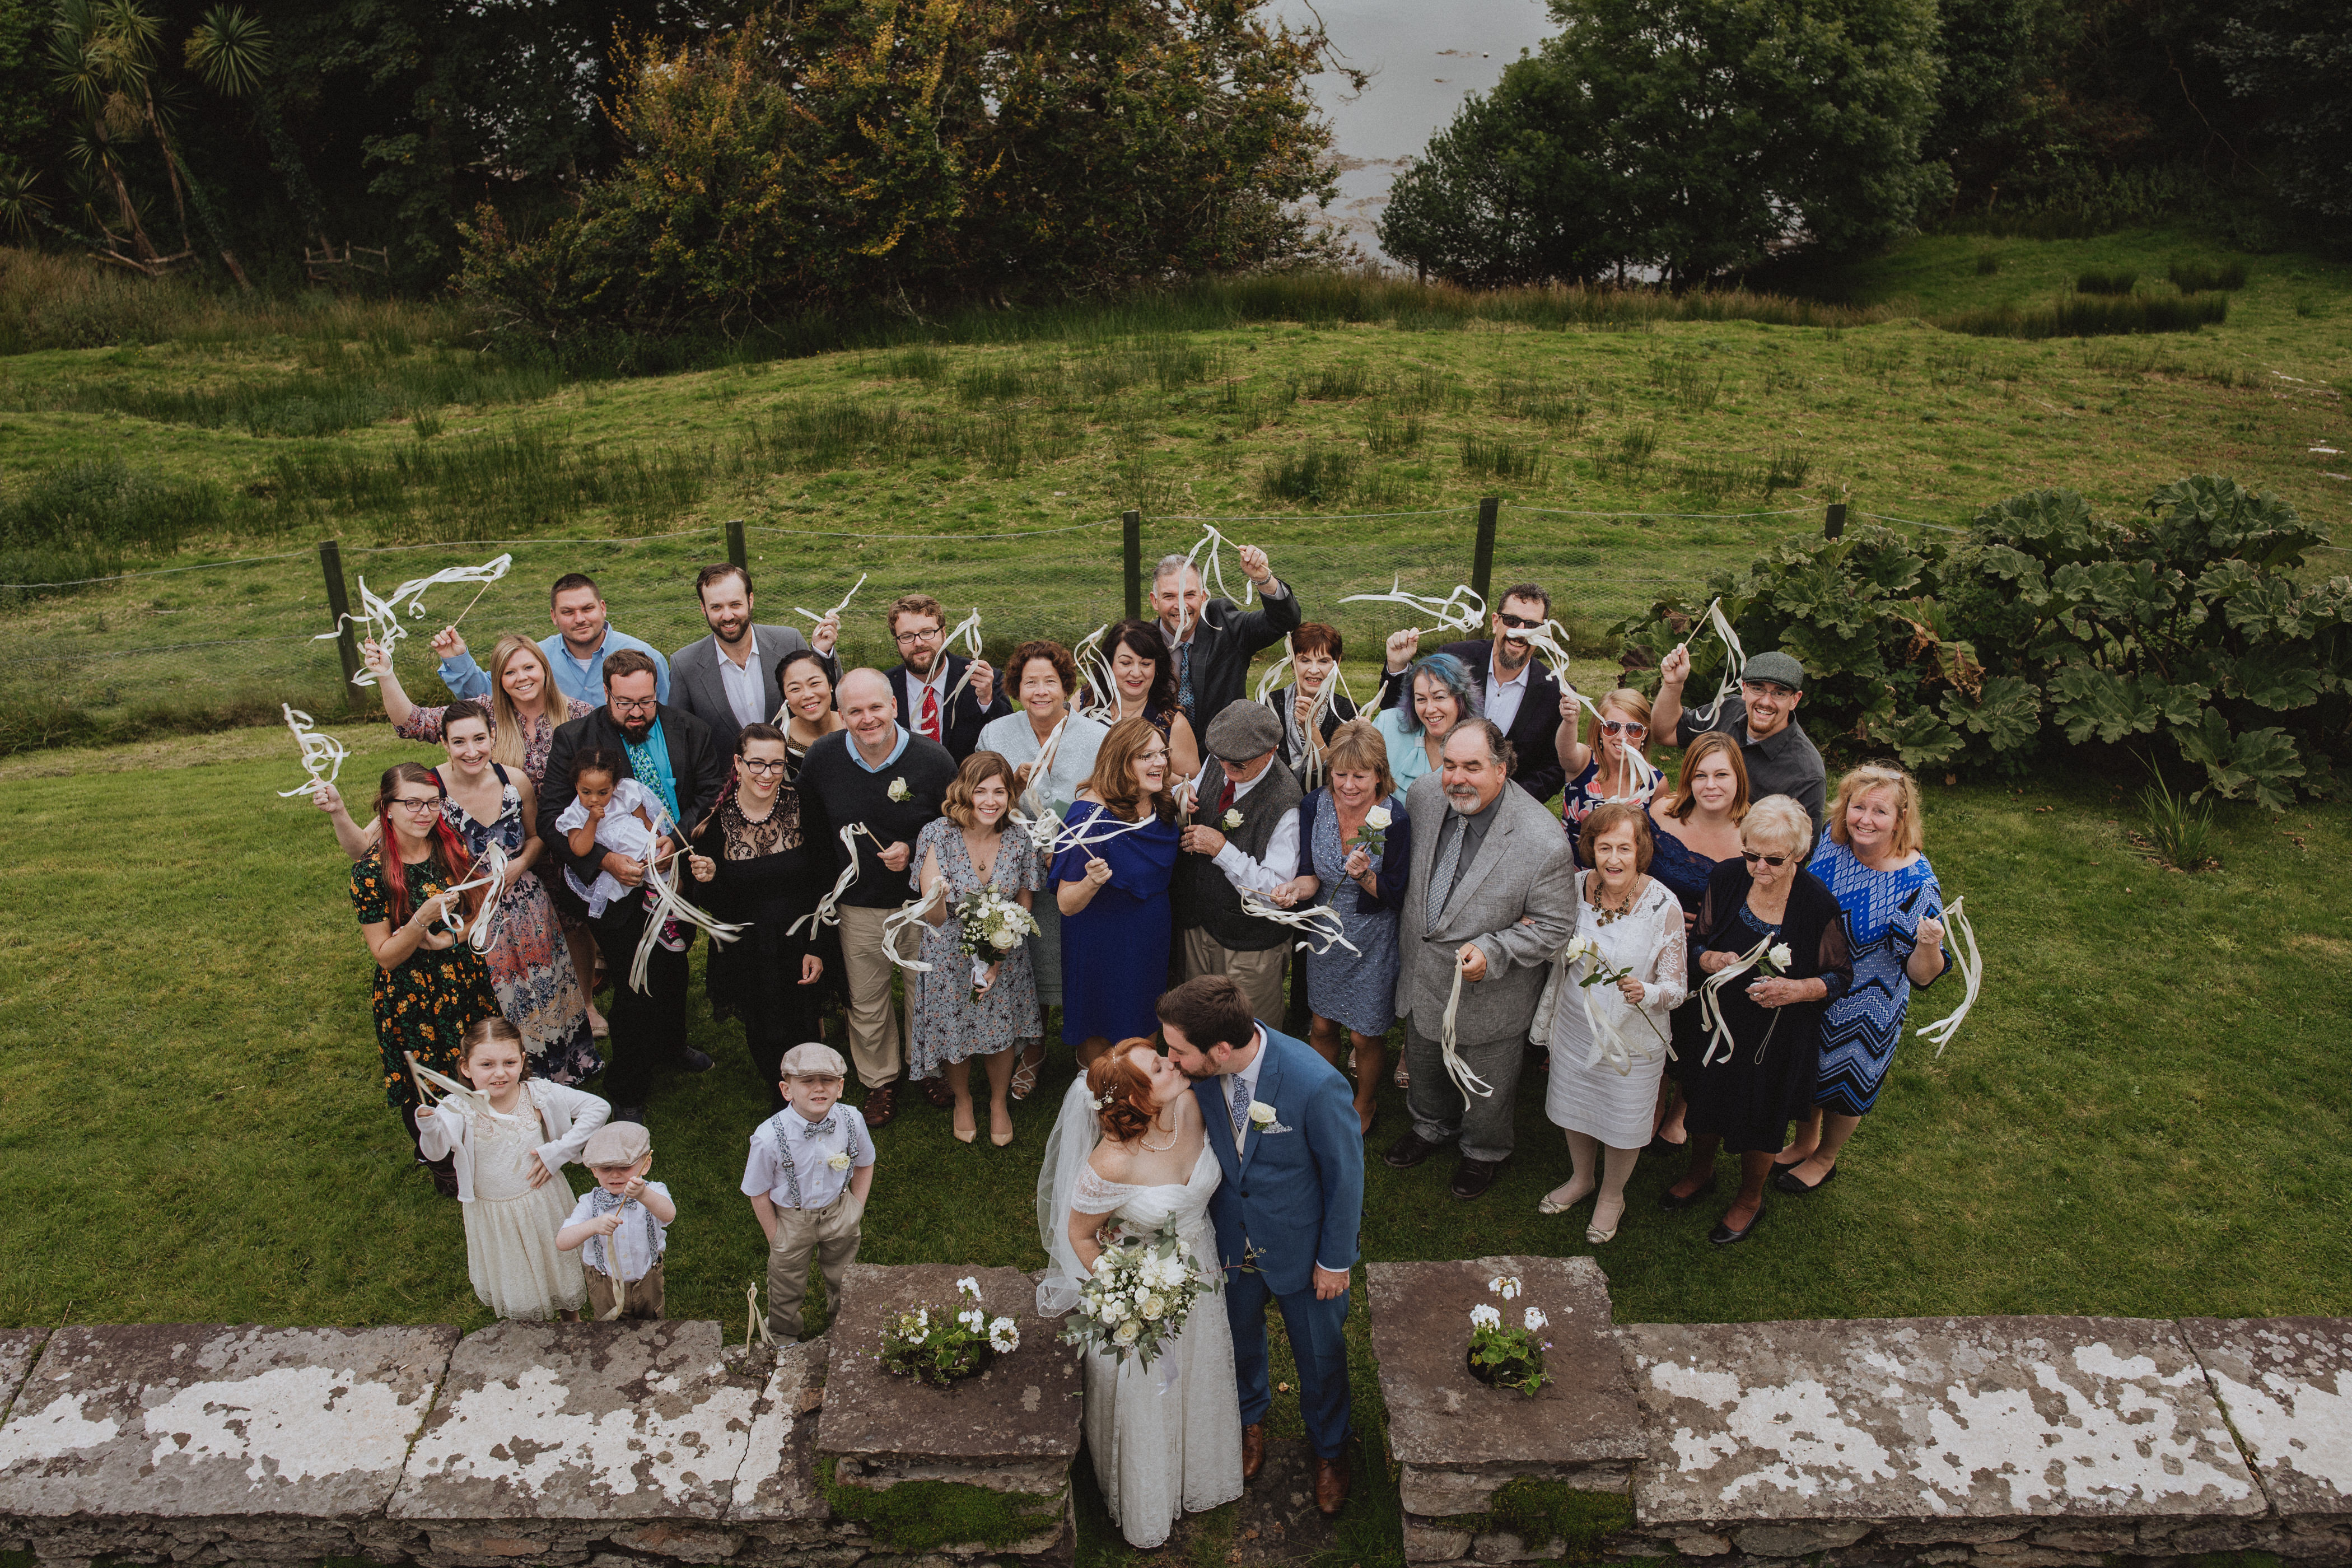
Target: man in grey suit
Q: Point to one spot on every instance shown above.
(728, 679)
(1492, 897)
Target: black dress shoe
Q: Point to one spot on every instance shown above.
(1409, 1151)
(636, 1114)
(693, 1060)
(1724, 1235)
(1473, 1177)
(1786, 1180)
(1672, 1205)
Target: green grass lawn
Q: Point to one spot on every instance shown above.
(1304, 429)
(2147, 1115)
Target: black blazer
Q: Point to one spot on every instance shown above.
(694, 761)
(960, 725)
(1225, 640)
(1538, 771)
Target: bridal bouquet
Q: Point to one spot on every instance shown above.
(994, 925)
(934, 1344)
(1137, 1298)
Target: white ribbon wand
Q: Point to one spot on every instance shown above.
(1210, 539)
(670, 905)
(1710, 1006)
(419, 1075)
(321, 754)
(1310, 736)
(828, 907)
(1032, 796)
(904, 916)
(1461, 611)
(1316, 920)
(382, 617)
(1095, 676)
(752, 1319)
(1086, 838)
(1970, 963)
(495, 879)
(1468, 1081)
(837, 610)
(1735, 659)
(1642, 775)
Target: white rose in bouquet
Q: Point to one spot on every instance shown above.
(1127, 1332)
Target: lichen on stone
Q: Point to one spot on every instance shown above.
(1538, 1511)
(924, 1516)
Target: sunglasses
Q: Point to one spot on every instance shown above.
(1516, 623)
(1624, 727)
(1752, 858)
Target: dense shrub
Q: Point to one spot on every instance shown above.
(2093, 316)
(2191, 631)
(2204, 276)
(2096, 281)
(76, 520)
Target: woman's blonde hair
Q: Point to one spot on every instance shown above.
(1361, 749)
(1910, 834)
(977, 770)
(1777, 822)
(1702, 747)
(1625, 700)
(507, 737)
(1113, 780)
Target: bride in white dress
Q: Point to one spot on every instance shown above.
(1167, 1437)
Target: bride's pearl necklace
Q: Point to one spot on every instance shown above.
(1158, 1147)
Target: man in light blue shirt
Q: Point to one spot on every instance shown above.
(576, 652)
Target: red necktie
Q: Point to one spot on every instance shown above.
(931, 712)
(1224, 802)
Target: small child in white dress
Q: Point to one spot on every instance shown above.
(609, 810)
(619, 1228)
(511, 1141)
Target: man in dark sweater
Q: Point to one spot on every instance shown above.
(1214, 640)
(1243, 832)
(877, 775)
(669, 752)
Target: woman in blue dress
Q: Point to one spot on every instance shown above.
(1112, 865)
(1695, 830)
(1353, 995)
(1870, 856)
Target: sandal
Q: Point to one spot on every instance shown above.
(1024, 1075)
(1403, 1079)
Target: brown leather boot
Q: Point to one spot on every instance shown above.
(1330, 1485)
(881, 1104)
(1252, 1450)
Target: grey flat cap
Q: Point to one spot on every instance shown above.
(1243, 733)
(1776, 667)
(616, 1144)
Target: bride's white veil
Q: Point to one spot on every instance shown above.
(1076, 1132)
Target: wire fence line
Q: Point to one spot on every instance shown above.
(248, 629)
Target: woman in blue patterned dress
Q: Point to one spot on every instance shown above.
(1894, 909)
(1353, 995)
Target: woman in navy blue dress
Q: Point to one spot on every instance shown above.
(1870, 857)
(1117, 920)
(1695, 829)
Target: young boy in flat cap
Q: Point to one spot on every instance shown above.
(1243, 832)
(810, 1167)
(624, 1222)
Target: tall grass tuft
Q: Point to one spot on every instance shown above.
(2090, 316)
(1316, 474)
(1560, 408)
(2095, 281)
(2204, 277)
(78, 519)
(1504, 460)
(1695, 386)
(2180, 835)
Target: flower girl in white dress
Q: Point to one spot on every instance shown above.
(1129, 1154)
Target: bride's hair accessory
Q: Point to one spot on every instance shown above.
(1122, 1094)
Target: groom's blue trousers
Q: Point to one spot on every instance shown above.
(1318, 1343)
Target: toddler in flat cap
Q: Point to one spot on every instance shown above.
(623, 1222)
(811, 1166)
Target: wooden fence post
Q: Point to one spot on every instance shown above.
(1131, 530)
(1834, 523)
(339, 605)
(735, 549)
(1482, 562)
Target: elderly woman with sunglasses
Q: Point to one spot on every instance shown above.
(1776, 938)
(1595, 754)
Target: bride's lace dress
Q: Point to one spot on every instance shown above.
(1167, 1437)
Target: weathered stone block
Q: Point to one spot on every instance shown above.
(1701, 1543)
(17, 1349)
(1022, 1411)
(2286, 1383)
(1798, 1540)
(217, 1422)
(1426, 1542)
(1913, 1418)
(1443, 1419)
(603, 1421)
(778, 1480)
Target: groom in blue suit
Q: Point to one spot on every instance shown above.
(1282, 1122)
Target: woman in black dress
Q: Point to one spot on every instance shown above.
(761, 854)
(1744, 1095)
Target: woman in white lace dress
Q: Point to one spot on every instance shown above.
(1609, 1040)
(1129, 1153)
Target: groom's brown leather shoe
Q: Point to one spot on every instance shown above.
(1473, 1177)
(1330, 1485)
(1252, 1450)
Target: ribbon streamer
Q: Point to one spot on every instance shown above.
(472, 1099)
(482, 934)
(670, 905)
(1086, 838)
(754, 1318)
(322, 755)
(381, 616)
(812, 615)
(1735, 659)
(1314, 919)
(1468, 1081)
(1311, 733)
(967, 628)
(1209, 539)
(828, 907)
(1710, 1006)
(1642, 775)
(904, 916)
(1461, 611)
(1095, 677)
(1970, 963)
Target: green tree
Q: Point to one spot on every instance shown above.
(2293, 59)
(1704, 135)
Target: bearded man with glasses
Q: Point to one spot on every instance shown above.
(671, 754)
(1521, 697)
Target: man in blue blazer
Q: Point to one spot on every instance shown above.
(1282, 1122)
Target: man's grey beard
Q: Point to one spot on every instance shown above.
(1465, 801)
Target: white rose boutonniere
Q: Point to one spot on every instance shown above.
(898, 791)
(1262, 1117)
(839, 1161)
(1233, 818)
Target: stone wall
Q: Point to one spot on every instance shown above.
(597, 1444)
(2027, 1442)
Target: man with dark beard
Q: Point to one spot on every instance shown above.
(728, 679)
(670, 755)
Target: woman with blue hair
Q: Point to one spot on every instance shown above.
(1443, 694)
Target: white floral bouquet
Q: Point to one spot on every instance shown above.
(935, 1345)
(1137, 1298)
(993, 923)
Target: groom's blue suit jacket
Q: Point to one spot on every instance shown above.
(1296, 1198)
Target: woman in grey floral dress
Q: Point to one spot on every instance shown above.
(968, 849)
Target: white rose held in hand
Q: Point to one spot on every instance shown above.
(1780, 958)
(1378, 819)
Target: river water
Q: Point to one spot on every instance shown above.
(1424, 55)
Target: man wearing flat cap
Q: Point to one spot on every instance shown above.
(1243, 832)
(1782, 758)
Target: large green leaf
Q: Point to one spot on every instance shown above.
(2278, 675)
(2209, 515)
(2052, 526)
(2262, 763)
(1919, 739)
(2007, 713)
(2090, 701)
